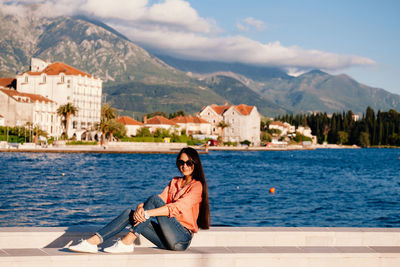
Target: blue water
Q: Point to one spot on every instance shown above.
(324, 188)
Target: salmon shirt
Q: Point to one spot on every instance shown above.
(183, 203)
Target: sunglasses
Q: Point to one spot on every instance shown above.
(188, 163)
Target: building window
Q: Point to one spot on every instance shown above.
(26, 78)
(74, 124)
(44, 79)
(62, 78)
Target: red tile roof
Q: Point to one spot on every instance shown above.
(59, 67)
(220, 109)
(277, 123)
(32, 97)
(6, 82)
(242, 108)
(188, 119)
(159, 120)
(129, 121)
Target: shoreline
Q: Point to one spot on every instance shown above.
(156, 148)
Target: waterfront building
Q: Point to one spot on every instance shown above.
(159, 122)
(63, 84)
(29, 110)
(284, 127)
(131, 125)
(242, 122)
(192, 125)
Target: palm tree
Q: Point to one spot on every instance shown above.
(223, 125)
(108, 112)
(108, 124)
(65, 111)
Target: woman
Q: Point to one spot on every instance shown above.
(179, 212)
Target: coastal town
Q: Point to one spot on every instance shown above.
(57, 102)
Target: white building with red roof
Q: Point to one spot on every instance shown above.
(159, 122)
(243, 122)
(63, 84)
(20, 109)
(131, 125)
(193, 125)
(284, 127)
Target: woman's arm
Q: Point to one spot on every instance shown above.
(139, 216)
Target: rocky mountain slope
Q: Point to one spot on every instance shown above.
(311, 92)
(127, 69)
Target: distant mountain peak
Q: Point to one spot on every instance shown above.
(315, 72)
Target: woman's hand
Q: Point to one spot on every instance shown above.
(138, 215)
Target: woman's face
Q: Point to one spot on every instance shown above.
(186, 165)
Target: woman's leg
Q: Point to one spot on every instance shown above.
(115, 226)
(167, 233)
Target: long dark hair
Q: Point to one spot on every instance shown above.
(203, 221)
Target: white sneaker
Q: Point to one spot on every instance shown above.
(119, 247)
(84, 246)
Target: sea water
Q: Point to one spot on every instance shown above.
(321, 188)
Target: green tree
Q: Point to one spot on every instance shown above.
(176, 114)
(143, 132)
(343, 137)
(108, 124)
(222, 124)
(65, 112)
(364, 139)
(161, 132)
(156, 113)
(108, 113)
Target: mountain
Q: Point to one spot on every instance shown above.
(314, 91)
(94, 48)
(320, 91)
(204, 67)
(135, 81)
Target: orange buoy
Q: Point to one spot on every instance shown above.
(272, 190)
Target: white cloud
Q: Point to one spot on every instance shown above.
(174, 27)
(258, 24)
(241, 27)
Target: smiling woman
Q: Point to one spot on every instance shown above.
(169, 219)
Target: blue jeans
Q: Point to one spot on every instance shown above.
(165, 232)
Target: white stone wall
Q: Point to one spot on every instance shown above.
(213, 118)
(15, 113)
(193, 128)
(242, 127)
(42, 114)
(45, 116)
(131, 130)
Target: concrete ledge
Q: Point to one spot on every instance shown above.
(210, 256)
(219, 246)
(58, 237)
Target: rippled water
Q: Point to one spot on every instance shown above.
(359, 188)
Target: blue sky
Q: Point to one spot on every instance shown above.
(358, 38)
